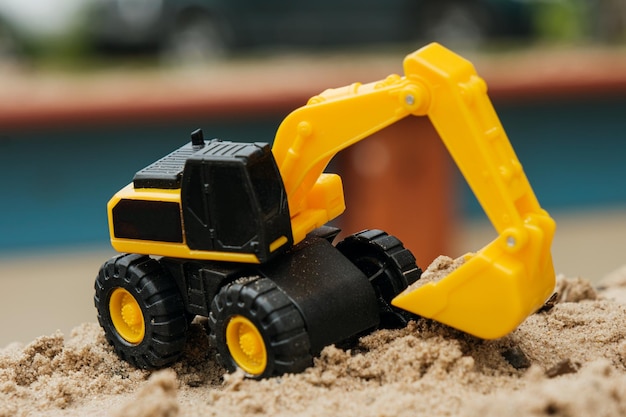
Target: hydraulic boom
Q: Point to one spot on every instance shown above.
(500, 285)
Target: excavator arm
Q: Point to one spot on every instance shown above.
(497, 287)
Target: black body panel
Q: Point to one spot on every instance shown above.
(335, 299)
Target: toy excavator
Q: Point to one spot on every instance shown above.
(236, 232)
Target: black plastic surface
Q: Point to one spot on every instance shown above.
(274, 315)
(167, 172)
(161, 306)
(147, 220)
(233, 200)
(335, 298)
(388, 265)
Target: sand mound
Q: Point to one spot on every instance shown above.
(567, 360)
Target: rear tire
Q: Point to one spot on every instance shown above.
(141, 311)
(257, 328)
(388, 265)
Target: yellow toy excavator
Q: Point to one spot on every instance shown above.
(236, 232)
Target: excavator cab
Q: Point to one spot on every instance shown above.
(213, 200)
(233, 200)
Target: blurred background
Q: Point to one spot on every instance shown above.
(94, 90)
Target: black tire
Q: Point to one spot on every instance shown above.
(165, 323)
(389, 266)
(279, 324)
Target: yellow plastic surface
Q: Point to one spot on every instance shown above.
(126, 316)
(156, 248)
(178, 250)
(312, 135)
(278, 243)
(497, 288)
(246, 345)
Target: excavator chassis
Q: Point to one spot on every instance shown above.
(286, 311)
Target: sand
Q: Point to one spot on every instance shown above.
(569, 359)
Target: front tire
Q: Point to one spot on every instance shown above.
(257, 328)
(141, 311)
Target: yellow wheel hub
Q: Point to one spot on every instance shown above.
(246, 345)
(126, 316)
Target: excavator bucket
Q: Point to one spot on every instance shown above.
(495, 289)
